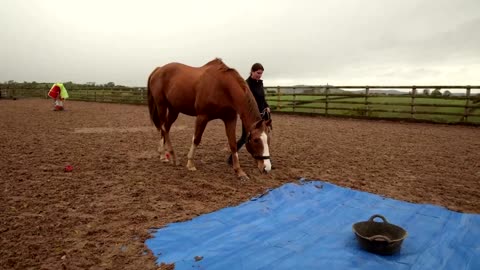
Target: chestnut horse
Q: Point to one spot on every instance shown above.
(212, 91)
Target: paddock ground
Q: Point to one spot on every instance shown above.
(99, 215)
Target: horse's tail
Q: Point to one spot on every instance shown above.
(153, 106)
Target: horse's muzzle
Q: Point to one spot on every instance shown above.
(264, 164)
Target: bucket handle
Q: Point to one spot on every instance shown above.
(380, 237)
(379, 216)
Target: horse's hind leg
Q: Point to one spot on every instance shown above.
(162, 115)
(171, 118)
(161, 146)
(200, 124)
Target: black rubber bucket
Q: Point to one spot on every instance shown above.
(379, 237)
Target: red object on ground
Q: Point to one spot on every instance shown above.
(68, 168)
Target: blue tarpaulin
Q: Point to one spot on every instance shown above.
(308, 225)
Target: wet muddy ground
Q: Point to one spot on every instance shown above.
(99, 215)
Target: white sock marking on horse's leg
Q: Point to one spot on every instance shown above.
(191, 153)
(266, 152)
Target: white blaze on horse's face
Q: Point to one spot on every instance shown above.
(258, 146)
(266, 152)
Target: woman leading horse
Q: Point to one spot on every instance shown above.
(212, 91)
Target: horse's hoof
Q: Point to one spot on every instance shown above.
(244, 178)
(191, 166)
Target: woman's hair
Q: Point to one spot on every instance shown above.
(256, 66)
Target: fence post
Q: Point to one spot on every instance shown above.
(367, 108)
(412, 105)
(467, 104)
(278, 98)
(326, 100)
(294, 98)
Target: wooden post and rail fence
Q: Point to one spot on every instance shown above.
(435, 103)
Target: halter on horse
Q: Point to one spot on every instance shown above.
(265, 114)
(212, 91)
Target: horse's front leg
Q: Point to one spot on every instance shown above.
(230, 130)
(200, 124)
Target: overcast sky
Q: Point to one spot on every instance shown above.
(339, 42)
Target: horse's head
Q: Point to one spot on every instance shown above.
(258, 144)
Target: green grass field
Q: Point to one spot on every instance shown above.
(108, 96)
(440, 109)
(425, 108)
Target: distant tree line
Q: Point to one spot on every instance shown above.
(69, 84)
(436, 93)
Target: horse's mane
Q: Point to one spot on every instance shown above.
(220, 65)
(251, 104)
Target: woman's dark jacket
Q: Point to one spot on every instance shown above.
(256, 86)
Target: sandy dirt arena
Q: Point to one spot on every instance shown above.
(99, 215)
